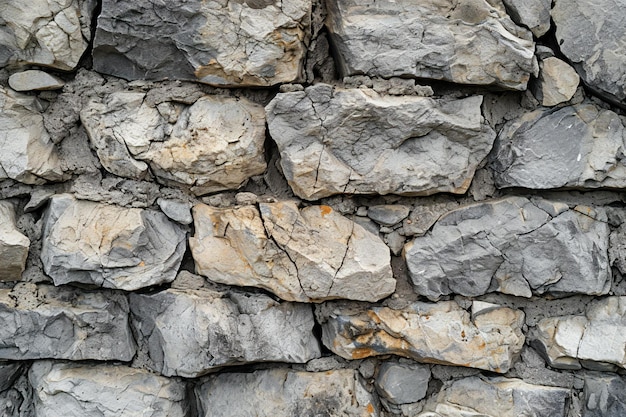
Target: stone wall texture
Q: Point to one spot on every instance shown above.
(284, 208)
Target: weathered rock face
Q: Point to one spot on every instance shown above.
(15, 391)
(27, 153)
(285, 393)
(498, 397)
(433, 333)
(13, 245)
(75, 390)
(401, 383)
(45, 32)
(576, 146)
(467, 42)
(109, 246)
(313, 254)
(239, 43)
(62, 323)
(604, 395)
(534, 14)
(591, 36)
(594, 340)
(515, 246)
(189, 333)
(354, 141)
(213, 145)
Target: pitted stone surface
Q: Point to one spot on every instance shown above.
(355, 141)
(14, 245)
(109, 246)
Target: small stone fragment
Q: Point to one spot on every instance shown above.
(402, 383)
(534, 14)
(557, 82)
(285, 393)
(604, 395)
(34, 80)
(176, 210)
(14, 245)
(388, 215)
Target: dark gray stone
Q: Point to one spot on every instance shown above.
(604, 395)
(402, 383)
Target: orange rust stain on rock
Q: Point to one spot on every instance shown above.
(373, 316)
(325, 210)
(370, 408)
(142, 263)
(360, 353)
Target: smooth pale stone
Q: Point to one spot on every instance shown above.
(34, 80)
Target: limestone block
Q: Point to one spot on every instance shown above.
(190, 333)
(355, 141)
(557, 82)
(466, 42)
(34, 80)
(212, 145)
(307, 255)
(440, 333)
(512, 245)
(534, 14)
(13, 245)
(388, 215)
(109, 246)
(604, 395)
(285, 393)
(238, 43)
(63, 323)
(402, 383)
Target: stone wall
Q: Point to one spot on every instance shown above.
(304, 208)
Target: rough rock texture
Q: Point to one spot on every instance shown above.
(63, 323)
(235, 43)
(497, 397)
(285, 393)
(215, 144)
(604, 395)
(27, 153)
(13, 245)
(402, 383)
(34, 80)
(189, 333)
(75, 390)
(313, 254)
(441, 333)
(591, 35)
(50, 33)
(467, 42)
(513, 245)
(109, 246)
(534, 14)
(594, 340)
(354, 141)
(557, 82)
(575, 146)
(15, 391)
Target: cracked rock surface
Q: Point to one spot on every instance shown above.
(441, 333)
(355, 141)
(312, 254)
(189, 333)
(215, 143)
(13, 245)
(42, 321)
(515, 246)
(285, 393)
(466, 42)
(109, 246)
(604, 395)
(224, 43)
(75, 390)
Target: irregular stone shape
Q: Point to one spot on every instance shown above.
(604, 396)
(190, 333)
(28, 155)
(15, 391)
(568, 342)
(34, 80)
(354, 141)
(591, 35)
(388, 215)
(239, 43)
(307, 255)
(176, 210)
(440, 333)
(466, 42)
(215, 144)
(285, 393)
(63, 323)
(45, 32)
(109, 246)
(534, 14)
(577, 146)
(402, 383)
(557, 82)
(13, 245)
(497, 397)
(76, 390)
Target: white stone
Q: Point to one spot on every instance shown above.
(14, 245)
(34, 80)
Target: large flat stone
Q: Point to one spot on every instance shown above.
(190, 333)
(466, 42)
(76, 390)
(441, 333)
(515, 246)
(63, 323)
(14, 245)
(109, 246)
(355, 141)
(313, 254)
(214, 144)
(285, 393)
(237, 43)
